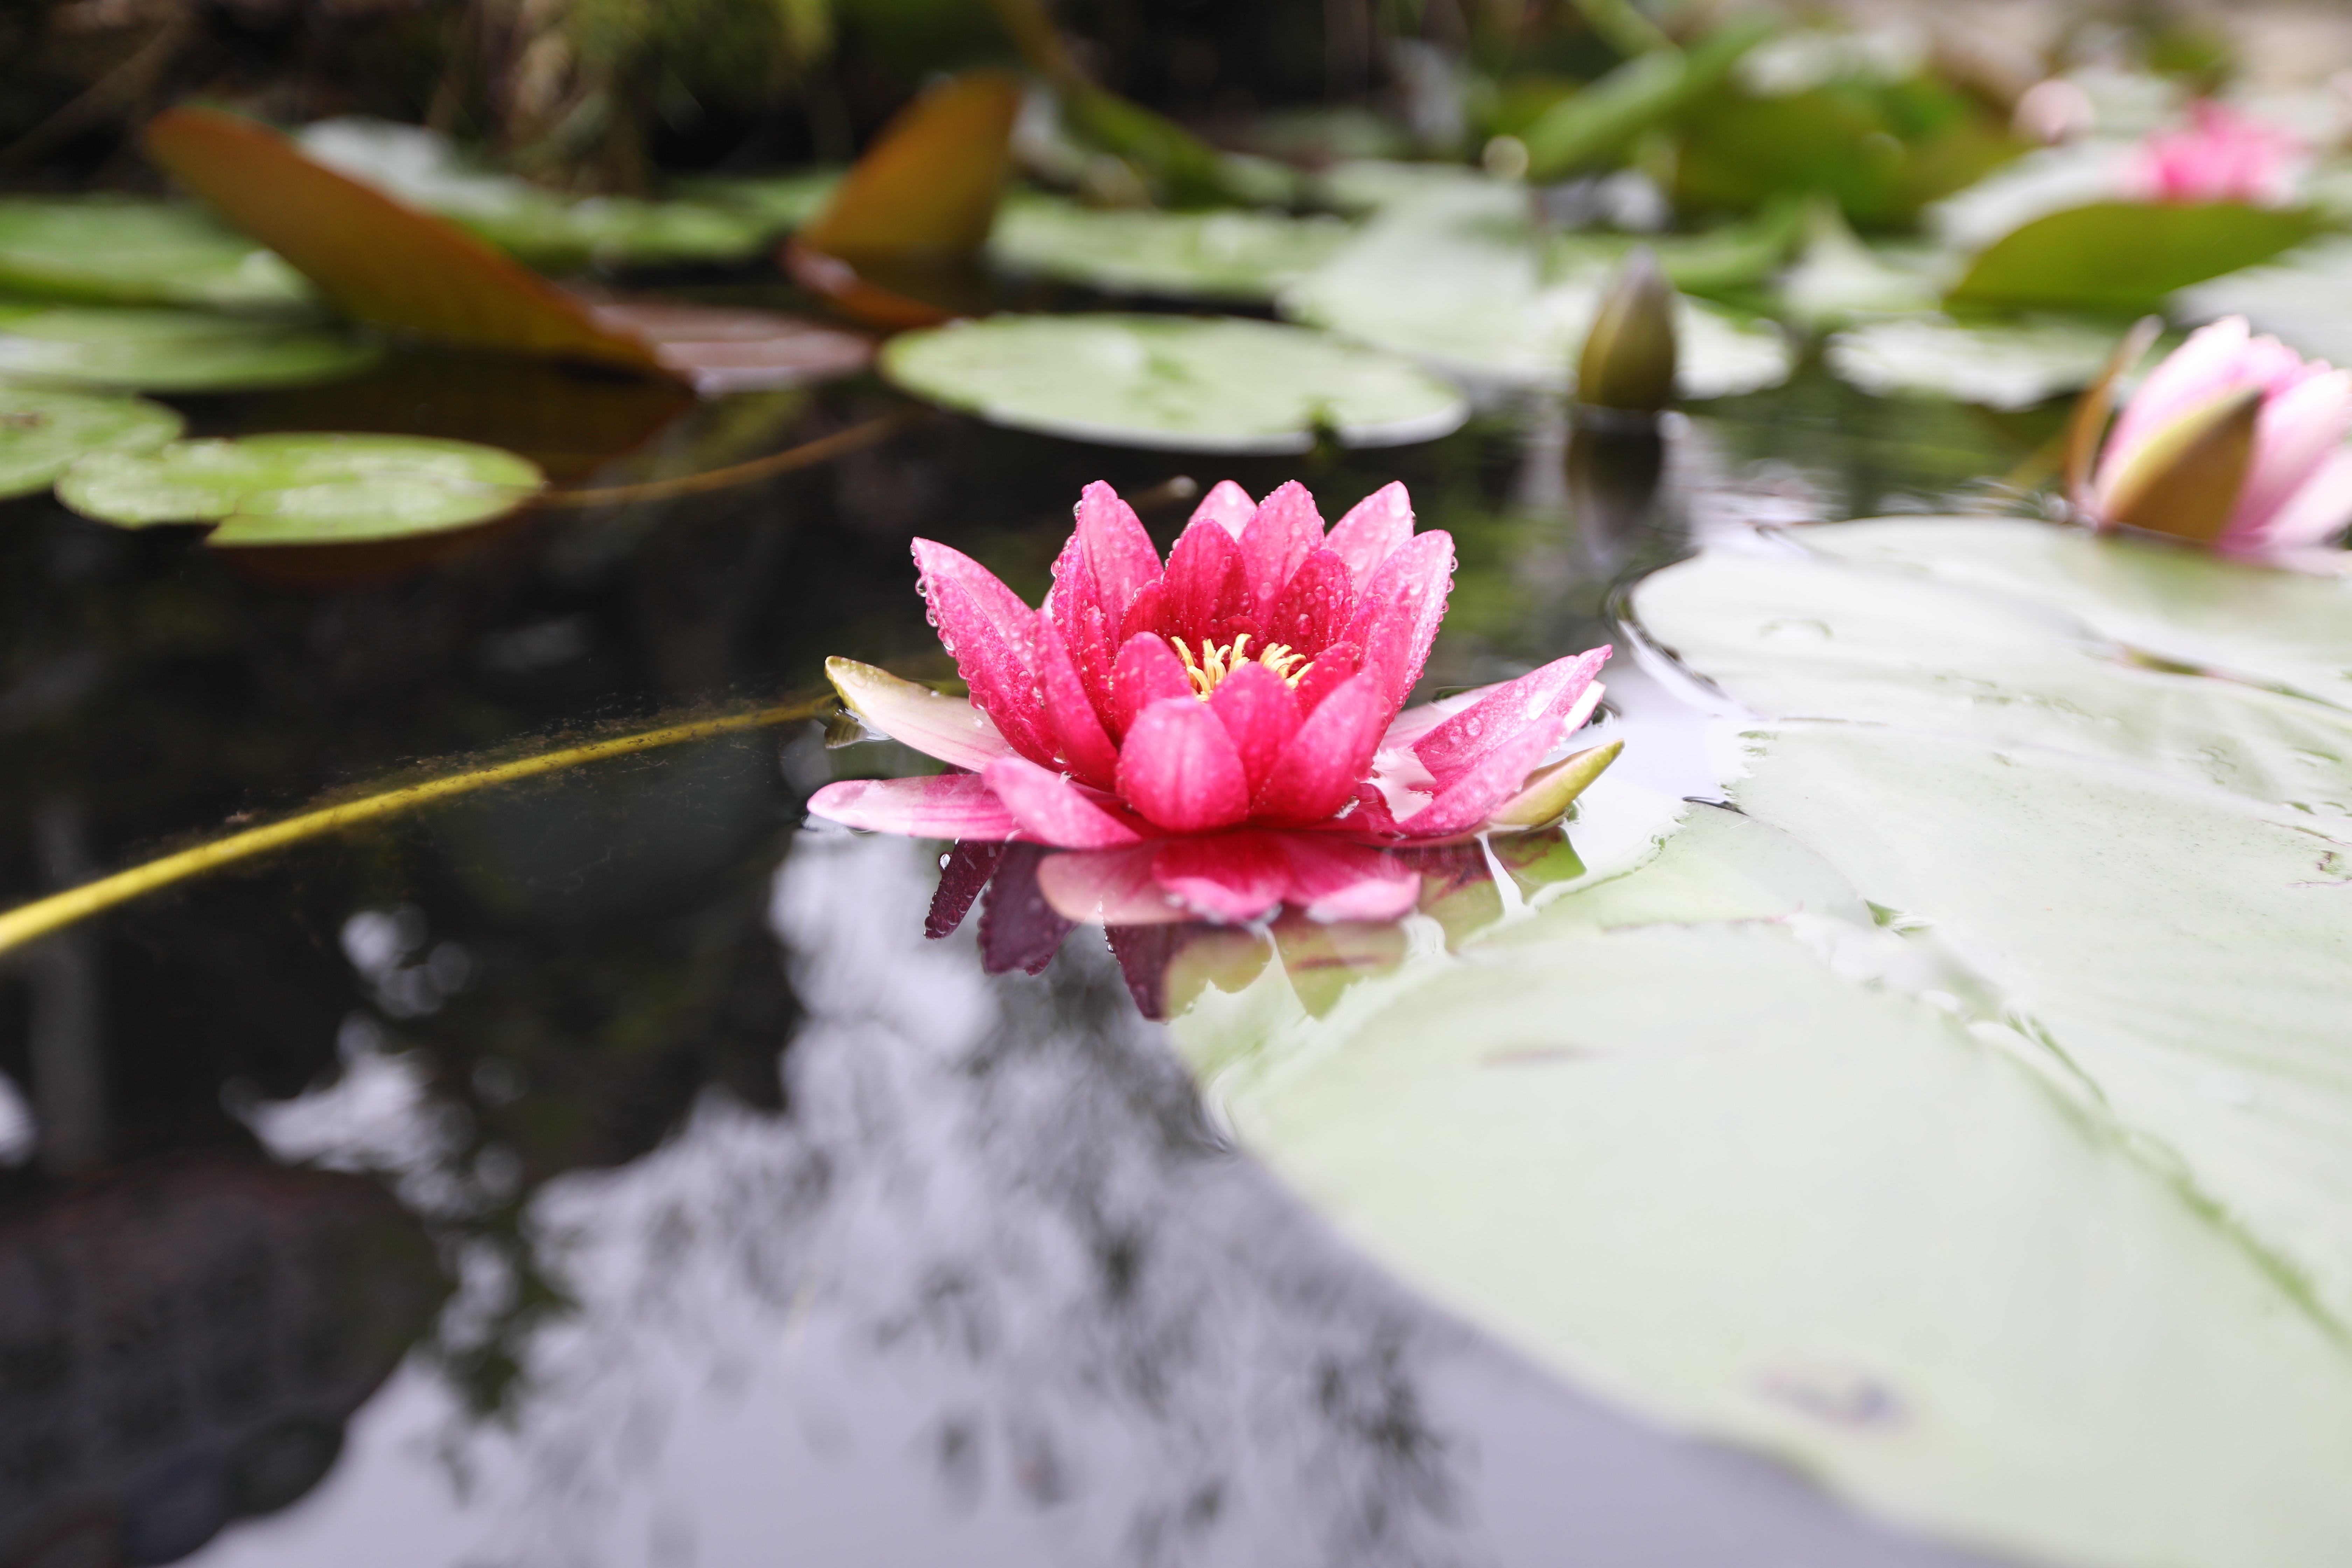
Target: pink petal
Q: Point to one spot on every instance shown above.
(946, 806)
(1180, 768)
(1229, 877)
(948, 728)
(1314, 608)
(1050, 809)
(2313, 514)
(1397, 615)
(1331, 669)
(1539, 700)
(1112, 886)
(1227, 505)
(1334, 880)
(1374, 528)
(1283, 532)
(1149, 671)
(1204, 585)
(2217, 359)
(2296, 431)
(1318, 772)
(1259, 710)
(1085, 750)
(1107, 566)
(1464, 800)
(992, 634)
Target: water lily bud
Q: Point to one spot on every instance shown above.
(1631, 353)
(2233, 440)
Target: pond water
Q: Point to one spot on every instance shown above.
(608, 1170)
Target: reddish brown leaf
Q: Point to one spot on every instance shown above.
(375, 257)
(926, 192)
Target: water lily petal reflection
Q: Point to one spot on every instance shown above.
(1253, 680)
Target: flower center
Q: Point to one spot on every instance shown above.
(1216, 663)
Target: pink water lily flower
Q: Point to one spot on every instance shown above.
(2296, 483)
(2220, 155)
(1252, 681)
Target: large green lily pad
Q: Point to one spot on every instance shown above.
(2000, 363)
(304, 489)
(2127, 256)
(1968, 1117)
(1240, 256)
(43, 431)
(1173, 383)
(116, 250)
(1457, 278)
(156, 349)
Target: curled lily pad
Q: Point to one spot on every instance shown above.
(115, 251)
(156, 349)
(304, 489)
(1457, 278)
(1218, 255)
(2002, 365)
(44, 431)
(1173, 383)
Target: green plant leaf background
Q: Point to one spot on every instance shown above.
(159, 349)
(44, 431)
(119, 251)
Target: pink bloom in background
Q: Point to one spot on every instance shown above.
(2220, 155)
(2297, 489)
(1225, 728)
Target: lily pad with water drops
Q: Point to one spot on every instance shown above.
(2002, 365)
(1241, 256)
(43, 431)
(304, 489)
(116, 250)
(1173, 384)
(157, 348)
(1455, 278)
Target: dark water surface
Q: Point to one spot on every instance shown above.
(608, 1172)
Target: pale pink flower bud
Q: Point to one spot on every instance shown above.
(2220, 155)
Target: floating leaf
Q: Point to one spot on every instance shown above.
(2301, 298)
(153, 348)
(2127, 256)
(304, 489)
(1597, 122)
(115, 251)
(1231, 255)
(42, 431)
(778, 203)
(1455, 278)
(542, 228)
(375, 257)
(2003, 364)
(1173, 383)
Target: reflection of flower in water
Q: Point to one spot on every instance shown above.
(1254, 679)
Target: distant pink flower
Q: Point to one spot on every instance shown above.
(1250, 684)
(2220, 155)
(2297, 489)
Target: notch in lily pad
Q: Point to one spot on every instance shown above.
(44, 431)
(300, 489)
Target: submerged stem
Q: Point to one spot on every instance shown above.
(28, 921)
(800, 457)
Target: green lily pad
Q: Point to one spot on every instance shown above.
(1457, 278)
(42, 430)
(115, 251)
(544, 228)
(154, 349)
(2127, 256)
(304, 489)
(1965, 1119)
(1247, 256)
(2300, 298)
(779, 202)
(1177, 383)
(2002, 365)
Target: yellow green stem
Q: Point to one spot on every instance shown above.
(28, 922)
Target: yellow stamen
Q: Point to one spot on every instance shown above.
(1216, 663)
